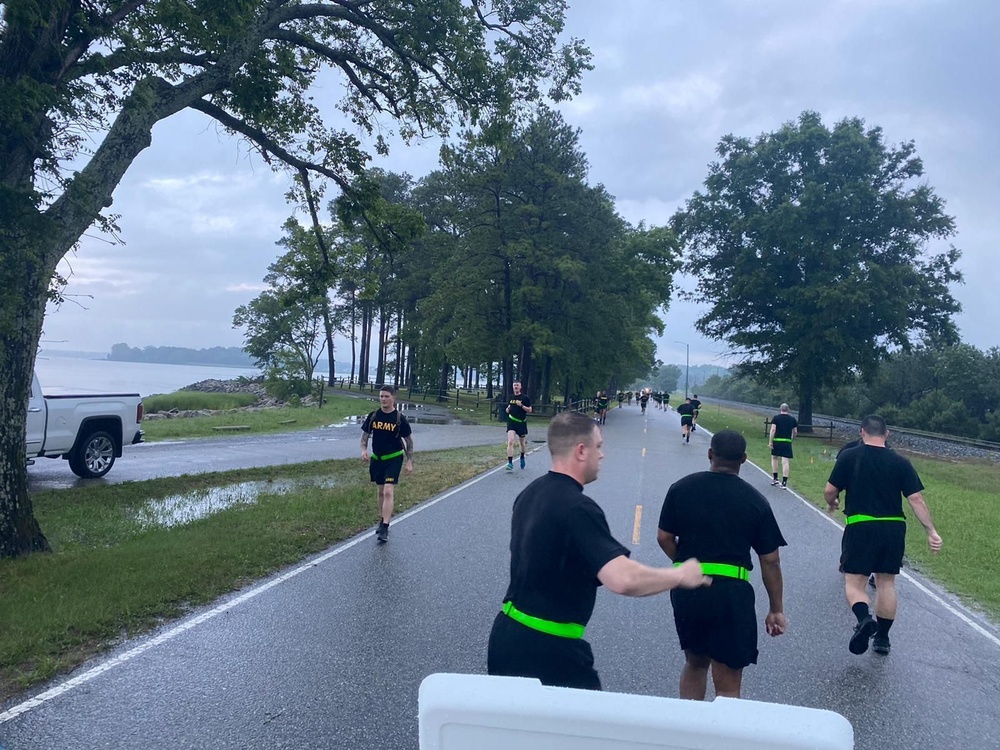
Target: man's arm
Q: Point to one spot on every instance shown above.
(770, 437)
(923, 514)
(832, 496)
(770, 574)
(364, 445)
(408, 450)
(667, 542)
(630, 578)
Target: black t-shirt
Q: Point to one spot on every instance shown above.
(559, 541)
(784, 425)
(719, 518)
(876, 480)
(387, 434)
(644, 398)
(696, 404)
(517, 404)
(685, 410)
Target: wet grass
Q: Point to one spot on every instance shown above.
(111, 575)
(962, 497)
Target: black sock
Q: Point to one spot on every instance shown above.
(522, 454)
(884, 623)
(775, 475)
(784, 480)
(860, 610)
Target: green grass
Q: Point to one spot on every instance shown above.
(961, 496)
(193, 400)
(285, 419)
(110, 576)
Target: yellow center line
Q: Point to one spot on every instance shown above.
(644, 452)
(637, 524)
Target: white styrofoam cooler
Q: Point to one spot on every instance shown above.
(478, 712)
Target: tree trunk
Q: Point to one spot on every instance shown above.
(24, 279)
(366, 331)
(380, 361)
(805, 408)
(443, 381)
(354, 334)
(547, 381)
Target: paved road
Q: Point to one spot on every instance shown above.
(237, 451)
(331, 654)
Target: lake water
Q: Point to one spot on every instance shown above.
(64, 375)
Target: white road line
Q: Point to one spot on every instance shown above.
(246, 596)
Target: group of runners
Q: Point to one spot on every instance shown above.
(710, 522)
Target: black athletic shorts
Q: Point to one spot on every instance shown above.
(718, 621)
(873, 547)
(686, 420)
(516, 650)
(520, 428)
(385, 472)
(782, 450)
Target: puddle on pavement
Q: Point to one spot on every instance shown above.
(178, 510)
(356, 420)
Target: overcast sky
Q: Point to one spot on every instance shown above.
(200, 218)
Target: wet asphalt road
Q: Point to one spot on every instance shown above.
(332, 656)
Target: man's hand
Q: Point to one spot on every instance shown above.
(934, 541)
(364, 455)
(833, 505)
(409, 466)
(691, 576)
(775, 623)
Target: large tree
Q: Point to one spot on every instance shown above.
(83, 83)
(814, 249)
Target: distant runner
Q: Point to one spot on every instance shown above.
(518, 410)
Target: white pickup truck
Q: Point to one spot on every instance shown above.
(87, 430)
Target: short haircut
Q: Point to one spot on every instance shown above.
(783, 408)
(729, 445)
(874, 425)
(569, 429)
(388, 389)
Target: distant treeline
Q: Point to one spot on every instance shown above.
(230, 356)
(953, 390)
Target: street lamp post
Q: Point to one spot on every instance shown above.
(687, 365)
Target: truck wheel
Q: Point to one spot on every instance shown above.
(94, 456)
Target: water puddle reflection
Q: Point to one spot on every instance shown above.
(177, 510)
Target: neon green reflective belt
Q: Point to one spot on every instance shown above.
(782, 440)
(513, 418)
(561, 629)
(722, 569)
(862, 518)
(387, 456)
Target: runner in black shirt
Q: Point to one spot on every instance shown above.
(718, 518)
(517, 423)
(784, 427)
(876, 479)
(686, 410)
(391, 441)
(561, 550)
(694, 417)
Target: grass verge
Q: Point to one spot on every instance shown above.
(114, 573)
(961, 496)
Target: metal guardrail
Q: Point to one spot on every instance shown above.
(957, 439)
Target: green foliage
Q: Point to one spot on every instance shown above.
(812, 244)
(196, 400)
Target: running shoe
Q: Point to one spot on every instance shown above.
(510, 466)
(863, 633)
(775, 482)
(383, 533)
(784, 486)
(522, 462)
(880, 644)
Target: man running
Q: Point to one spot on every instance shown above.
(686, 410)
(391, 440)
(784, 427)
(718, 518)
(643, 400)
(561, 551)
(602, 407)
(876, 479)
(694, 416)
(621, 397)
(517, 423)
